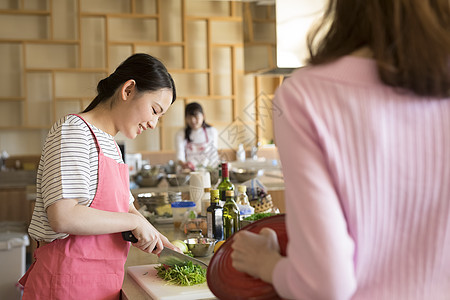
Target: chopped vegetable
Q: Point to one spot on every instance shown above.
(186, 274)
(258, 216)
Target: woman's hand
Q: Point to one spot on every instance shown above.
(186, 166)
(256, 254)
(149, 238)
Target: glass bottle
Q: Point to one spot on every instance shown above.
(240, 153)
(231, 222)
(219, 180)
(206, 201)
(225, 184)
(242, 197)
(245, 209)
(214, 217)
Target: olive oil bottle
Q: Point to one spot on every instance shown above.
(225, 184)
(231, 222)
(214, 217)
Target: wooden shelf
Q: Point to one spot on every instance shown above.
(25, 12)
(73, 44)
(123, 16)
(12, 99)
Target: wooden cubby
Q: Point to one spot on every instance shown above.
(53, 53)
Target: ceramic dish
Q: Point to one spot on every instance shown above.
(227, 283)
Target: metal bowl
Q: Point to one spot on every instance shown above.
(177, 179)
(149, 180)
(242, 175)
(201, 247)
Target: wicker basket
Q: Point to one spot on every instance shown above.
(262, 205)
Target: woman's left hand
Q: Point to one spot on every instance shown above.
(256, 254)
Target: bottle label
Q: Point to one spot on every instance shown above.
(210, 225)
(218, 226)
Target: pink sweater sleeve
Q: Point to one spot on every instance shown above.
(319, 264)
(367, 172)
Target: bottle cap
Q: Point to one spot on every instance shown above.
(224, 169)
(214, 193)
(242, 188)
(229, 193)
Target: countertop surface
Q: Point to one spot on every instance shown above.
(272, 180)
(130, 289)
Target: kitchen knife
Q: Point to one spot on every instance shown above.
(167, 256)
(171, 257)
(129, 236)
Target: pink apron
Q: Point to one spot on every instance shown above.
(91, 266)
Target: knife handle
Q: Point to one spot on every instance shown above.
(129, 236)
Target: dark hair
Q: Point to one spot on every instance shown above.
(410, 40)
(192, 109)
(147, 71)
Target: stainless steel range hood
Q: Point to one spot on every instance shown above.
(275, 34)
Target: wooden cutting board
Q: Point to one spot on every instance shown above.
(158, 288)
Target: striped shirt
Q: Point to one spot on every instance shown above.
(367, 173)
(68, 169)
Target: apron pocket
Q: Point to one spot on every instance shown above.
(86, 286)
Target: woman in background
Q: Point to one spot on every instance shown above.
(364, 141)
(197, 143)
(83, 197)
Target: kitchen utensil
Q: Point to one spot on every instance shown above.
(159, 289)
(129, 236)
(167, 256)
(201, 246)
(242, 175)
(171, 257)
(149, 180)
(228, 283)
(178, 179)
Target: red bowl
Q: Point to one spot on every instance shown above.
(226, 282)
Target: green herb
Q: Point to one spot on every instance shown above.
(184, 274)
(258, 216)
(192, 215)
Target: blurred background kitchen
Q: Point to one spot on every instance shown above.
(221, 54)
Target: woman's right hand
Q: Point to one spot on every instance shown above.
(150, 240)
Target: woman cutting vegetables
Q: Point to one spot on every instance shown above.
(83, 198)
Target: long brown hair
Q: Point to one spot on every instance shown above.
(410, 40)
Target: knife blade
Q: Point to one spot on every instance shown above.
(171, 257)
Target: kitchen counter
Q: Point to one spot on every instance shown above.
(271, 179)
(130, 289)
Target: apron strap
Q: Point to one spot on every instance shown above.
(93, 134)
(206, 135)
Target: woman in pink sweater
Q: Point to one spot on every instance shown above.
(364, 140)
